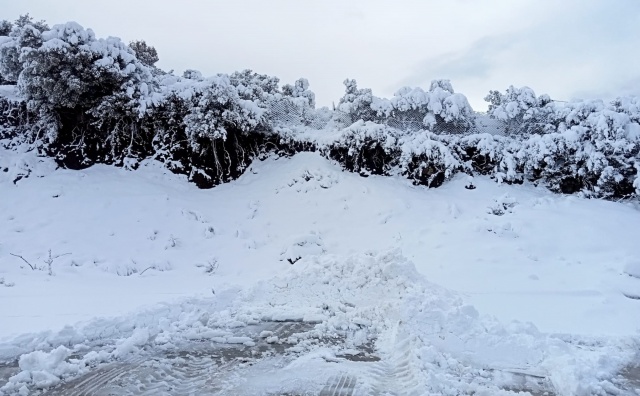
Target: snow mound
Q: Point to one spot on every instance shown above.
(42, 370)
(21, 163)
(312, 179)
(633, 269)
(373, 297)
(303, 246)
(376, 295)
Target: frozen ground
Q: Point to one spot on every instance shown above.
(395, 289)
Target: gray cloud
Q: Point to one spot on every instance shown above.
(585, 51)
(566, 49)
(475, 62)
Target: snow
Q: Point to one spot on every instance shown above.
(100, 202)
(42, 369)
(633, 269)
(10, 92)
(129, 345)
(448, 279)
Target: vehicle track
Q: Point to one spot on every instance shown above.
(396, 374)
(192, 368)
(202, 367)
(629, 379)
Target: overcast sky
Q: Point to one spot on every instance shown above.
(568, 49)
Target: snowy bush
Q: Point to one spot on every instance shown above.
(89, 94)
(366, 147)
(437, 110)
(520, 110)
(14, 115)
(219, 110)
(411, 109)
(211, 129)
(85, 100)
(593, 147)
(144, 52)
(356, 103)
(16, 39)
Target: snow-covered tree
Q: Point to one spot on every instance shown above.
(144, 52)
(520, 110)
(5, 30)
(24, 36)
(439, 110)
(88, 100)
(295, 107)
(192, 75)
(95, 90)
(356, 103)
(222, 112)
(300, 89)
(5, 27)
(259, 88)
(221, 108)
(442, 84)
(74, 69)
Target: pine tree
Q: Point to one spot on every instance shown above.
(144, 52)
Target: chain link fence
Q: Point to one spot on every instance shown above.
(285, 113)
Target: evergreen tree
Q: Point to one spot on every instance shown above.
(23, 37)
(144, 52)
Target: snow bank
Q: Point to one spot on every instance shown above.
(377, 295)
(373, 296)
(23, 162)
(633, 269)
(42, 370)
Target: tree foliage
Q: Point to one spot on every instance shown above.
(144, 52)
(87, 100)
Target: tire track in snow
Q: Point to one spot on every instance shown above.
(89, 384)
(181, 374)
(341, 385)
(395, 372)
(401, 373)
(194, 368)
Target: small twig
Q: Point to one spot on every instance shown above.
(49, 261)
(23, 259)
(147, 269)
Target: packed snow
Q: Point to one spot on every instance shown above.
(455, 280)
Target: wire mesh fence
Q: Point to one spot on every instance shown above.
(287, 114)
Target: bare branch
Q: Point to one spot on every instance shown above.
(152, 267)
(23, 259)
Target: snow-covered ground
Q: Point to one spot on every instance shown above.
(452, 282)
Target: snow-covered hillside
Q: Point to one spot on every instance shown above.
(464, 287)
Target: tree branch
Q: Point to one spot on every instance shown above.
(152, 267)
(23, 259)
